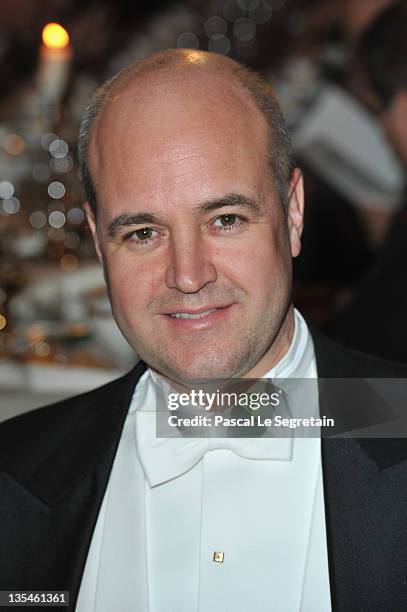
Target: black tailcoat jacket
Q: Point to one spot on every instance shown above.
(55, 464)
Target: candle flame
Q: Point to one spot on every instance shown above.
(54, 36)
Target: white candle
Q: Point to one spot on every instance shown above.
(55, 58)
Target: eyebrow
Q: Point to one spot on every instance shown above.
(231, 199)
(125, 220)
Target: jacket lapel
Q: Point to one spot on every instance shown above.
(364, 513)
(60, 500)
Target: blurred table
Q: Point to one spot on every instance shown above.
(24, 387)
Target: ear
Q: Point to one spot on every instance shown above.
(90, 216)
(295, 212)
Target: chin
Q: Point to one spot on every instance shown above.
(199, 362)
(209, 368)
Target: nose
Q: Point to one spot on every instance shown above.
(189, 266)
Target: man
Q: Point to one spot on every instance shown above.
(196, 214)
(382, 293)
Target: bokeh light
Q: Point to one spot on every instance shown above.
(62, 165)
(72, 240)
(58, 148)
(219, 44)
(56, 234)
(244, 29)
(232, 11)
(13, 144)
(262, 14)
(38, 219)
(56, 190)
(76, 216)
(187, 40)
(11, 206)
(54, 36)
(6, 189)
(47, 139)
(56, 219)
(215, 25)
(42, 349)
(68, 263)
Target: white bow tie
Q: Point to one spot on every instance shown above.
(166, 458)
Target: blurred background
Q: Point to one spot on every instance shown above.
(340, 72)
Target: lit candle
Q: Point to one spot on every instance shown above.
(55, 57)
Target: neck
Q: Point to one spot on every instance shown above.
(278, 348)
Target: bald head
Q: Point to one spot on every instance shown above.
(173, 87)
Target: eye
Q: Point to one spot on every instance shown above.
(142, 236)
(145, 233)
(227, 221)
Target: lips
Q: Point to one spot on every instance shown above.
(191, 315)
(188, 320)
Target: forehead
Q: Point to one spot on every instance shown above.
(161, 132)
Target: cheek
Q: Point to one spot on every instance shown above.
(132, 285)
(266, 255)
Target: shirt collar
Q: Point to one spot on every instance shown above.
(297, 361)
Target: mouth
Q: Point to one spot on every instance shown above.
(192, 315)
(199, 319)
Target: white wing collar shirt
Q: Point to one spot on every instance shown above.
(228, 530)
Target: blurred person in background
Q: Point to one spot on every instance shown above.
(375, 319)
(317, 69)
